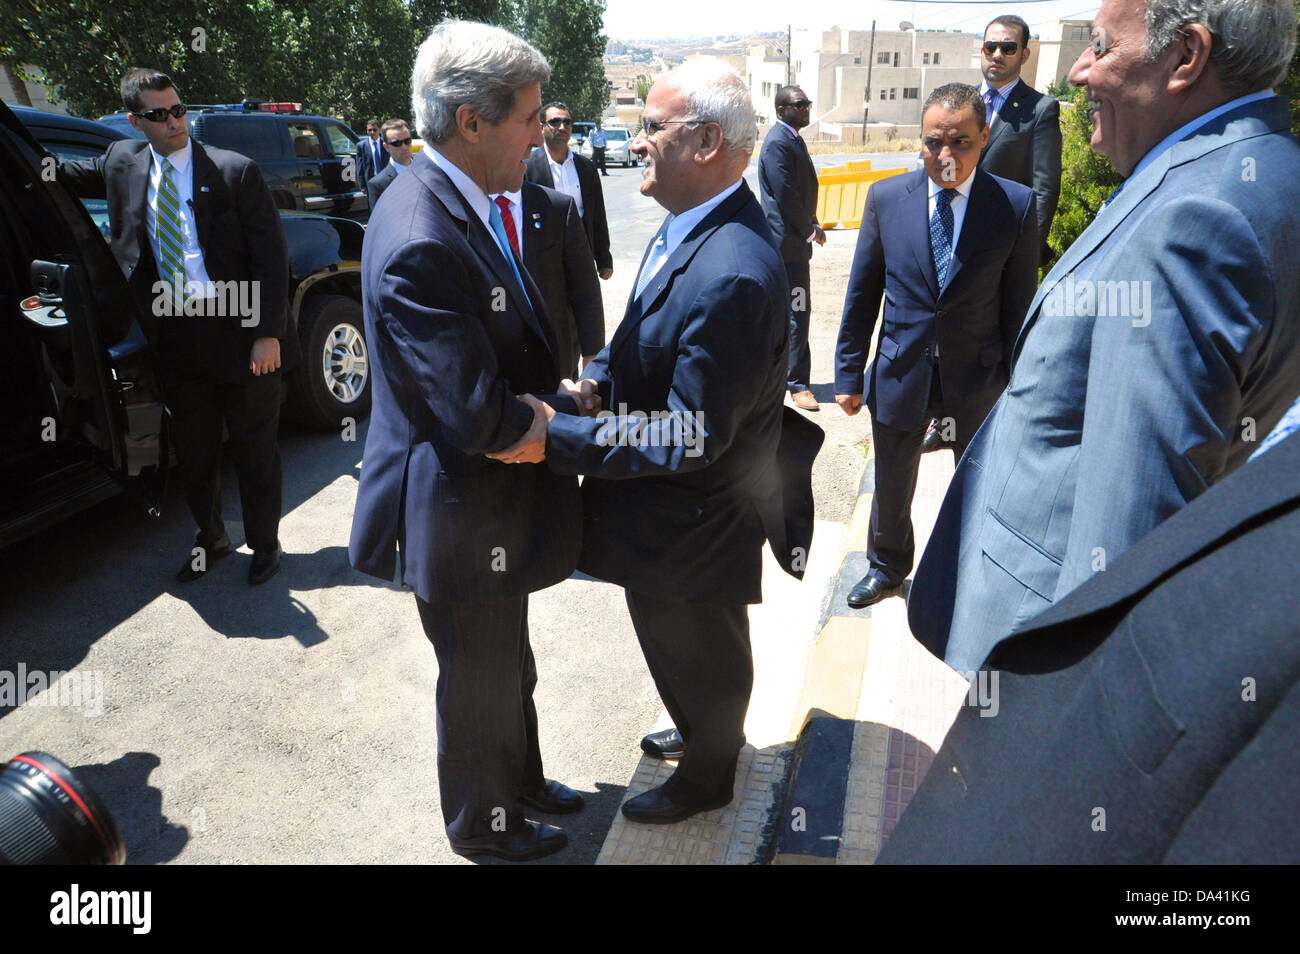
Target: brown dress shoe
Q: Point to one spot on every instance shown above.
(805, 400)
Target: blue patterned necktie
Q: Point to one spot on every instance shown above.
(499, 232)
(990, 98)
(168, 234)
(941, 233)
(654, 260)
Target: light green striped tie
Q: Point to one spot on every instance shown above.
(168, 232)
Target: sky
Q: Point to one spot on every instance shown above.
(647, 19)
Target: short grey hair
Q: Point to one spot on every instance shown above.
(469, 63)
(1254, 40)
(955, 96)
(715, 93)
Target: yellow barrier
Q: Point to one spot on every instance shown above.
(842, 192)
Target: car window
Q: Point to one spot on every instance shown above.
(258, 139)
(306, 140)
(342, 143)
(613, 134)
(98, 208)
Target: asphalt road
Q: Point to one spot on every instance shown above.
(294, 722)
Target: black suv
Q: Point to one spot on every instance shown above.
(308, 161)
(83, 414)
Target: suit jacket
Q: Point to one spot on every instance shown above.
(1162, 342)
(974, 318)
(1165, 691)
(787, 183)
(559, 261)
(1025, 146)
(593, 200)
(238, 230)
(707, 339)
(448, 356)
(366, 160)
(376, 184)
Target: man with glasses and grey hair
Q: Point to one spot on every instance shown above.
(1163, 345)
(460, 341)
(683, 483)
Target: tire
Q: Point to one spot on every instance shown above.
(333, 382)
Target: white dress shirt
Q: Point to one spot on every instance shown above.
(680, 226)
(565, 175)
(1000, 94)
(182, 161)
(958, 205)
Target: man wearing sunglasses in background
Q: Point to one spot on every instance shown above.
(371, 157)
(396, 136)
(557, 167)
(183, 217)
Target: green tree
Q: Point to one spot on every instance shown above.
(568, 34)
(1087, 177)
(1290, 87)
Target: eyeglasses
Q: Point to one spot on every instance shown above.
(160, 114)
(558, 123)
(399, 142)
(1008, 49)
(651, 126)
(800, 104)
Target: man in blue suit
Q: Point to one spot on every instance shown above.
(371, 156)
(954, 252)
(1163, 344)
(699, 462)
(787, 183)
(456, 331)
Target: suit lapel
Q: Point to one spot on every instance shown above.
(1254, 489)
(534, 212)
(138, 197)
(482, 242)
(206, 182)
(974, 231)
(916, 213)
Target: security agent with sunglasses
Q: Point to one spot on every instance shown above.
(557, 167)
(396, 137)
(676, 508)
(1024, 125)
(184, 216)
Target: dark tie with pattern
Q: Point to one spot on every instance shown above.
(941, 233)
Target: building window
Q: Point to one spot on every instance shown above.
(936, 59)
(857, 61)
(895, 58)
(925, 59)
(882, 59)
(892, 91)
(884, 94)
(910, 92)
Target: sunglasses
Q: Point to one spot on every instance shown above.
(160, 114)
(558, 123)
(400, 142)
(800, 104)
(1008, 49)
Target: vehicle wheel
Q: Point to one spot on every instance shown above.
(333, 382)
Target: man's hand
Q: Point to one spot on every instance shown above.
(849, 403)
(819, 235)
(531, 448)
(606, 272)
(583, 393)
(266, 356)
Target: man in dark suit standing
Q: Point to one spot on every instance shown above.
(953, 250)
(545, 224)
(558, 167)
(1149, 717)
(787, 183)
(199, 239)
(396, 137)
(1024, 125)
(457, 330)
(371, 157)
(683, 483)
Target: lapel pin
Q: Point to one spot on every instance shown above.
(203, 188)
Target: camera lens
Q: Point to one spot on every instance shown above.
(48, 817)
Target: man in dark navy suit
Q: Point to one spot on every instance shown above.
(457, 331)
(685, 477)
(787, 183)
(953, 251)
(371, 157)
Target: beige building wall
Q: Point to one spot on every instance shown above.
(1060, 44)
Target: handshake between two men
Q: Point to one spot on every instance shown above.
(531, 448)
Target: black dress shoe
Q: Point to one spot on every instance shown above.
(870, 590)
(532, 840)
(659, 807)
(934, 440)
(667, 744)
(188, 573)
(553, 798)
(265, 565)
